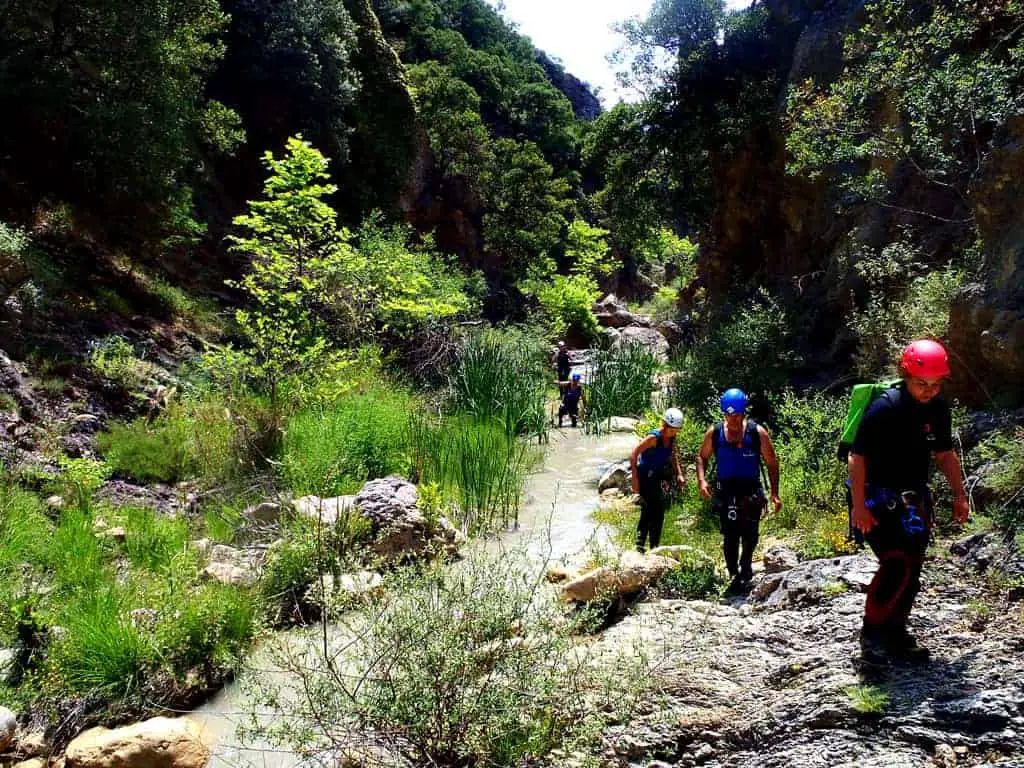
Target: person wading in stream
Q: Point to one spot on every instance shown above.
(739, 445)
(890, 502)
(650, 463)
(562, 364)
(572, 398)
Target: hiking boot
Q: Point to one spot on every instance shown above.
(903, 646)
(735, 586)
(873, 649)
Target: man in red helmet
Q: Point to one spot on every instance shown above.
(891, 504)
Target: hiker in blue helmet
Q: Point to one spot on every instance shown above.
(572, 399)
(739, 446)
(734, 401)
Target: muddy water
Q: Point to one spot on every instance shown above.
(556, 525)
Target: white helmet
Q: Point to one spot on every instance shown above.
(673, 417)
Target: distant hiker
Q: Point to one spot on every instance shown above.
(739, 445)
(890, 501)
(562, 364)
(650, 463)
(572, 398)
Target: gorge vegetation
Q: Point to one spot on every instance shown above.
(258, 251)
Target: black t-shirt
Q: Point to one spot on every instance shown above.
(897, 437)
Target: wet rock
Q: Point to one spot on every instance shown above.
(8, 727)
(806, 583)
(630, 574)
(14, 385)
(157, 743)
(780, 558)
(617, 476)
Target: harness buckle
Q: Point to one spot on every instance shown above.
(732, 514)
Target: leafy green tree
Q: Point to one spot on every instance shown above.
(924, 89)
(287, 70)
(300, 265)
(450, 111)
(526, 203)
(110, 101)
(587, 250)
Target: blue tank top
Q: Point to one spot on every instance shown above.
(657, 457)
(742, 462)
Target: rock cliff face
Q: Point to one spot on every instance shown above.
(783, 230)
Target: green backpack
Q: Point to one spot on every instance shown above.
(861, 396)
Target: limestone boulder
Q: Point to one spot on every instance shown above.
(161, 742)
(328, 510)
(807, 583)
(618, 476)
(229, 573)
(399, 528)
(648, 338)
(779, 558)
(632, 572)
(622, 424)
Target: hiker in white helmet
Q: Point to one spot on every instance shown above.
(650, 463)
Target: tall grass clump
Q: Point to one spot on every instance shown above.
(479, 467)
(620, 384)
(332, 449)
(101, 653)
(152, 540)
(500, 378)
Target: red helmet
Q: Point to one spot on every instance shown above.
(925, 358)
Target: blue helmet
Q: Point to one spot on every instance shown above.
(575, 377)
(734, 401)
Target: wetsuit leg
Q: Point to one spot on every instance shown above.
(892, 591)
(574, 413)
(749, 532)
(652, 512)
(730, 536)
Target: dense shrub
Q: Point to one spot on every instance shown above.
(189, 439)
(811, 480)
(1004, 478)
(463, 666)
(751, 349)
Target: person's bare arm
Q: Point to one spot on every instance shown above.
(949, 463)
(860, 517)
(643, 445)
(680, 475)
(702, 457)
(771, 461)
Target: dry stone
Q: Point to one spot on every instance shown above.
(648, 338)
(161, 742)
(228, 573)
(780, 558)
(630, 574)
